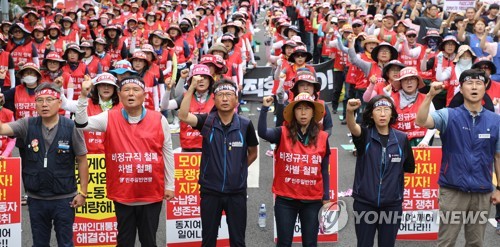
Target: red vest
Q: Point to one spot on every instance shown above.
(59, 45)
(191, 138)
(93, 67)
(381, 83)
(409, 61)
(105, 62)
(76, 77)
(116, 54)
(297, 168)
(149, 81)
(6, 116)
(40, 47)
(430, 74)
(340, 60)
(279, 38)
(179, 51)
(4, 64)
(162, 59)
(494, 91)
(451, 84)
(134, 158)
(24, 103)
(407, 116)
(21, 54)
(360, 79)
(95, 139)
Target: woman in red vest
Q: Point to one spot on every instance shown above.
(52, 67)
(75, 70)
(103, 97)
(162, 49)
(101, 54)
(93, 64)
(21, 99)
(56, 40)
(116, 45)
(69, 33)
(6, 143)
(407, 101)
(235, 58)
(449, 75)
(301, 177)
(141, 64)
(202, 102)
(21, 47)
(7, 65)
(39, 40)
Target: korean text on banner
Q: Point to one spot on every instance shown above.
(95, 222)
(322, 238)
(420, 206)
(458, 5)
(10, 202)
(183, 212)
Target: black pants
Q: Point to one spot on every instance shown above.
(142, 219)
(235, 206)
(338, 82)
(367, 223)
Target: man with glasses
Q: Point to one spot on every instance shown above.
(432, 21)
(52, 145)
(229, 147)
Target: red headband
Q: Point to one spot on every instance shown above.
(48, 92)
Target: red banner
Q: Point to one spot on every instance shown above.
(10, 202)
(183, 212)
(420, 206)
(322, 238)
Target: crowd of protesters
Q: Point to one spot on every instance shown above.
(390, 59)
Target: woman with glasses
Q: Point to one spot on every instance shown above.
(384, 156)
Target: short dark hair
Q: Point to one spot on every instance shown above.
(47, 86)
(367, 114)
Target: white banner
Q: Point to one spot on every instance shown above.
(10, 235)
(458, 5)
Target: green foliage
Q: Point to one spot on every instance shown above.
(21, 3)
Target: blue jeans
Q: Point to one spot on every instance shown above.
(286, 212)
(43, 213)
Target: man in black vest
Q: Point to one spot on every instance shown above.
(52, 144)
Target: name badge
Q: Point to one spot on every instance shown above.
(237, 144)
(398, 159)
(484, 136)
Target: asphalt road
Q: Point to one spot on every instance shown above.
(257, 237)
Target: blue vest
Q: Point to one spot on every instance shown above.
(224, 159)
(474, 42)
(496, 61)
(469, 150)
(379, 173)
(58, 177)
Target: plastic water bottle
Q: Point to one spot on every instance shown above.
(262, 215)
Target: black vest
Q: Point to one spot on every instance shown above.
(58, 177)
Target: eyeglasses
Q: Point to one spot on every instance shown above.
(356, 25)
(300, 55)
(225, 94)
(411, 36)
(49, 100)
